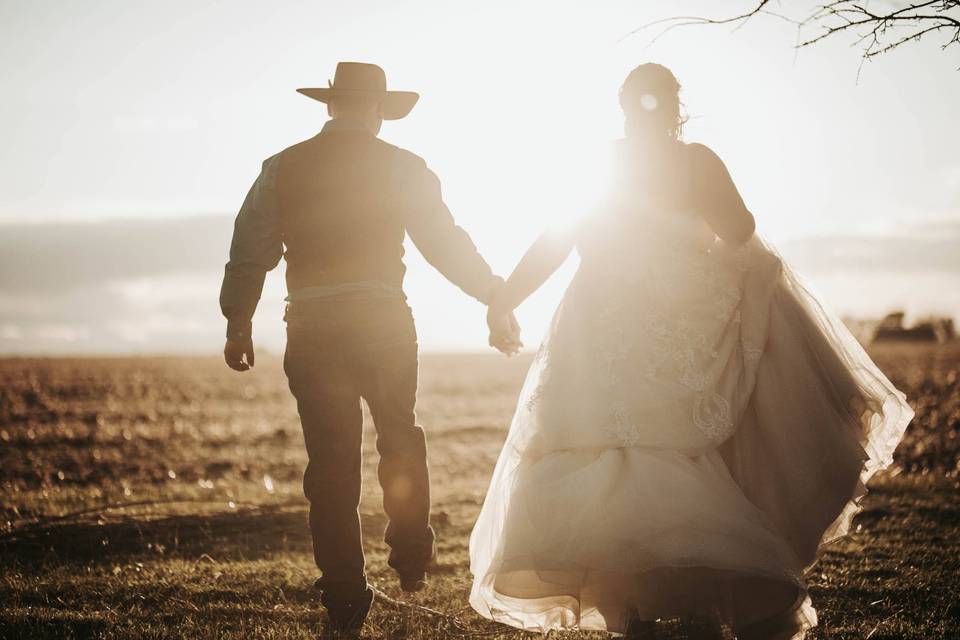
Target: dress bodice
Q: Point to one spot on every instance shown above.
(650, 214)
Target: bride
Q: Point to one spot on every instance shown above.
(695, 426)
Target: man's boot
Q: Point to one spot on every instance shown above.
(412, 580)
(346, 611)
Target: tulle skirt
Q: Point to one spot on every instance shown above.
(691, 434)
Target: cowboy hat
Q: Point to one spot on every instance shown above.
(360, 79)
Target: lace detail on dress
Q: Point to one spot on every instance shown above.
(711, 414)
(681, 348)
(655, 312)
(724, 291)
(541, 363)
(681, 344)
(752, 355)
(535, 397)
(621, 426)
(613, 352)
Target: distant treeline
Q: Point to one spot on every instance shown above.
(892, 328)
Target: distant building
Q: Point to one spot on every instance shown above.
(862, 329)
(932, 329)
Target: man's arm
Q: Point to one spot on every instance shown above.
(255, 249)
(431, 226)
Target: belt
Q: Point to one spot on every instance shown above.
(359, 289)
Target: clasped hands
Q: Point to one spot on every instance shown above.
(503, 326)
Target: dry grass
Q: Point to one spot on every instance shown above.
(213, 542)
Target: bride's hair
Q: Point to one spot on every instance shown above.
(650, 99)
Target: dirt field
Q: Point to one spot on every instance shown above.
(160, 498)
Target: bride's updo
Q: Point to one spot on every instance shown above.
(650, 99)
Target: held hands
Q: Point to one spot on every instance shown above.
(503, 325)
(504, 331)
(238, 354)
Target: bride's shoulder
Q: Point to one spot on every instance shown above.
(704, 161)
(700, 153)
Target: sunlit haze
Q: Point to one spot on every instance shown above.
(133, 131)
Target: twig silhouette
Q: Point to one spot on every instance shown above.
(878, 31)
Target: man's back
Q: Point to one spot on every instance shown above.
(341, 203)
(341, 214)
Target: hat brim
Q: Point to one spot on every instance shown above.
(396, 104)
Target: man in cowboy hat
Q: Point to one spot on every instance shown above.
(341, 203)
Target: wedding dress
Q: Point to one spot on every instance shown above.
(694, 429)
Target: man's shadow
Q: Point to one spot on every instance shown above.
(244, 533)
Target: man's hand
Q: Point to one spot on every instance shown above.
(504, 331)
(238, 354)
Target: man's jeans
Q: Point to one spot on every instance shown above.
(339, 351)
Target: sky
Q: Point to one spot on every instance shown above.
(132, 132)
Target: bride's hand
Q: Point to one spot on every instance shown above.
(504, 331)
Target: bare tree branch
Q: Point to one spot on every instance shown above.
(685, 21)
(877, 32)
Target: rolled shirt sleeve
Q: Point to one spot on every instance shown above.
(436, 235)
(256, 248)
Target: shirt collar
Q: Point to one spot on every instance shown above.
(343, 125)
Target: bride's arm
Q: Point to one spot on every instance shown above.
(717, 198)
(541, 260)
